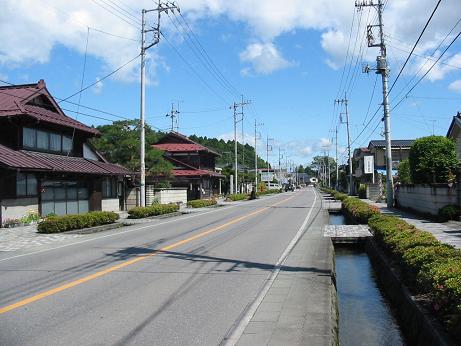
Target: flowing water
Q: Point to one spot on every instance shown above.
(365, 317)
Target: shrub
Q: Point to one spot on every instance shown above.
(201, 203)
(362, 191)
(358, 210)
(404, 172)
(57, 224)
(449, 212)
(153, 210)
(432, 160)
(237, 197)
(427, 265)
(267, 192)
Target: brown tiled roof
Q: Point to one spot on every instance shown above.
(186, 145)
(29, 160)
(14, 102)
(16, 159)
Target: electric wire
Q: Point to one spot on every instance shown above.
(414, 46)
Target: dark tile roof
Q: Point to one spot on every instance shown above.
(16, 159)
(406, 143)
(15, 102)
(164, 142)
(33, 161)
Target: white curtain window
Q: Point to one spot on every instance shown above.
(29, 137)
(66, 144)
(43, 140)
(55, 142)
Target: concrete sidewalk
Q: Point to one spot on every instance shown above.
(446, 232)
(299, 308)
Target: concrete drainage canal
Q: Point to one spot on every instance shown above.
(365, 315)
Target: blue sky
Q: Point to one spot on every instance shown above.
(289, 63)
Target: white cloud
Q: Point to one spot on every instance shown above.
(23, 23)
(265, 58)
(455, 86)
(97, 89)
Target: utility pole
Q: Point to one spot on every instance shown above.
(234, 107)
(174, 114)
(336, 158)
(161, 7)
(256, 153)
(268, 148)
(345, 102)
(383, 70)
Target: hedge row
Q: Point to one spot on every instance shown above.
(428, 266)
(238, 197)
(268, 192)
(57, 224)
(153, 210)
(337, 195)
(201, 203)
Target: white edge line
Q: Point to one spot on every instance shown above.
(132, 230)
(237, 332)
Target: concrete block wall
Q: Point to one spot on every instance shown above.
(427, 198)
(110, 204)
(17, 208)
(172, 196)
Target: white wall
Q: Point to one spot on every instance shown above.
(426, 198)
(110, 204)
(17, 208)
(88, 153)
(172, 196)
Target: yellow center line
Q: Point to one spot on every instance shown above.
(127, 263)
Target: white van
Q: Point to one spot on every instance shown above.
(272, 186)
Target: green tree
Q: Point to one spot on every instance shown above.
(433, 160)
(119, 143)
(404, 172)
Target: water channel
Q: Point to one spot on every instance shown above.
(365, 316)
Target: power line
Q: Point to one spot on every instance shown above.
(207, 57)
(100, 79)
(414, 46)
(347, 55)
(433, 54)
(120, 14)
(192, 68)
(426, 73)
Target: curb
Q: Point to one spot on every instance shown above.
(95, 229)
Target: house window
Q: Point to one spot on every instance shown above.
(26, 185)
(64, 197)
(109, 188)
(66, 144)
(43, 140)
(55, 142)
(29, 137)
(46, 141)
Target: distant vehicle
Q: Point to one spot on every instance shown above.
(289, 187)
(272, 186)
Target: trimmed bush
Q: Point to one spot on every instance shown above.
(201, 203)
(358, 210)
(362, 191)
(428, 266)
(58, 224)
(449, 212)
(268, 192)
(237, 197)
(153, 210)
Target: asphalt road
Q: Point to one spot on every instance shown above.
(181, 281)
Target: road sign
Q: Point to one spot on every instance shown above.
(368, 163)
(267, 176)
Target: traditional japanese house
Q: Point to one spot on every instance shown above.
(47, 164)
(193, 166)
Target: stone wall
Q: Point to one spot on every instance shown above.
(427, 198)
(17, 208)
